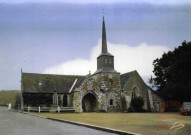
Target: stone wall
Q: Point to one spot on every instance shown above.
(106, 89)
(157, 101)
(77, 101)
(135, 82)
(109, 85)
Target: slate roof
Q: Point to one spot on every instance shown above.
(106, 54)
(125, 77)
(79, 82)
(105, 70)
(49, 83)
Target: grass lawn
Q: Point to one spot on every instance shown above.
(142, 123)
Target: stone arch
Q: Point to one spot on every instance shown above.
(89, 102)
(91, 92)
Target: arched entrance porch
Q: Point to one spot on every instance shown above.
(89, 103)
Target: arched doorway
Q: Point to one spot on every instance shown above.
(89, 103)
(65, 100)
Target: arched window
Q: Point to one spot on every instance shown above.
(134, 92)
(105, 60)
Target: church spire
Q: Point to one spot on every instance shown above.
(104, 39)
(105, 61)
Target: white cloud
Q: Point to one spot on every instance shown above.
(126, 58)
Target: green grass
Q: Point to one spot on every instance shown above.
(8, 97)
(142, 123)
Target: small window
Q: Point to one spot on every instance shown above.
(111, 102)
(110, 61)
(105, 60)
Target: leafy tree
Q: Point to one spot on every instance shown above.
(173, 73)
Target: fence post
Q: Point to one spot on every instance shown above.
(58, 109)
(39, 109)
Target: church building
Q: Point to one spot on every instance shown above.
(105, 90)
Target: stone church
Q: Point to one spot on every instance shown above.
(105, 90)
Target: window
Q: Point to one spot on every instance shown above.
(110, 61)
(134, 93)
(110, 76)
(105, 60)
(111, 102)
(156, 106)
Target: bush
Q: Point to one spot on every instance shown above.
(137, 104)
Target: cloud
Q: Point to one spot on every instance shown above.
(127, 58)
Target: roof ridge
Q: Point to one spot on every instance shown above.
(129, 72)
(52, 74)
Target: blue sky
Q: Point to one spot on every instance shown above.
(64, 37)
(100, 1)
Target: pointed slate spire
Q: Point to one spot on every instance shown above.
(105, 61)
(104, 39)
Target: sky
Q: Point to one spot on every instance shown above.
(64, 37)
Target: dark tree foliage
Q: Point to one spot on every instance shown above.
(137, 104)
(173, 74)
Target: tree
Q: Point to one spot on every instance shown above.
(173, 74)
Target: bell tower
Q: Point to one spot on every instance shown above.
(105, 61)
(107, 79)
